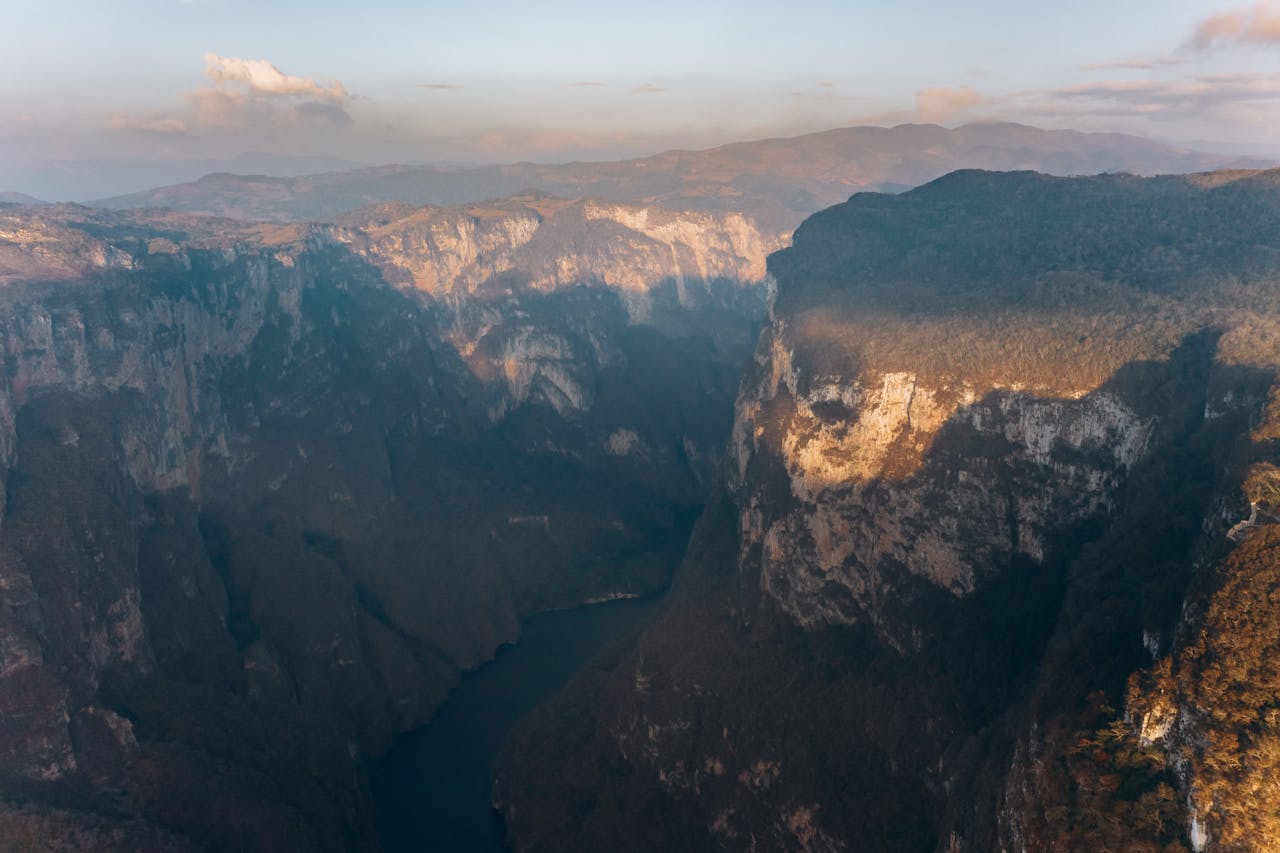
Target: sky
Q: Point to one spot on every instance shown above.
(105, 96)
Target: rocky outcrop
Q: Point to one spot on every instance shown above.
(981, 473)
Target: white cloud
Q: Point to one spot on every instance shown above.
(263, 78)
(245, 94)
(1258, 24)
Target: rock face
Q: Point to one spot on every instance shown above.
(875, 491)
(262, 505)
(519, 244)
(969, 584)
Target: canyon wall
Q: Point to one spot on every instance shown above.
(986, 519)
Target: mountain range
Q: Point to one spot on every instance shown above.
(776, 182)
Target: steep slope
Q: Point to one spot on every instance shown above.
(262, 506)
(982, 474)
(775, 182)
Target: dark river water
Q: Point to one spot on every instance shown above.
(432, 791)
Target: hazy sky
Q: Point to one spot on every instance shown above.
(99, 94)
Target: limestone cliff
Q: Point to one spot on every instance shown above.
(873, 495)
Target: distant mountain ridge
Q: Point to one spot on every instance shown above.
(778, 182)
(108, 175)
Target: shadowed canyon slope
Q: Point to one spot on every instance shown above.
(774, 182)
(985, 524)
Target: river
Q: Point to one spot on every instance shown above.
(433, 789)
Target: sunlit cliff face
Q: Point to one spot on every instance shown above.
(551, 244)
(908, 472)
(847, 399)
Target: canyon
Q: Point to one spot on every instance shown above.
(952, 473)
